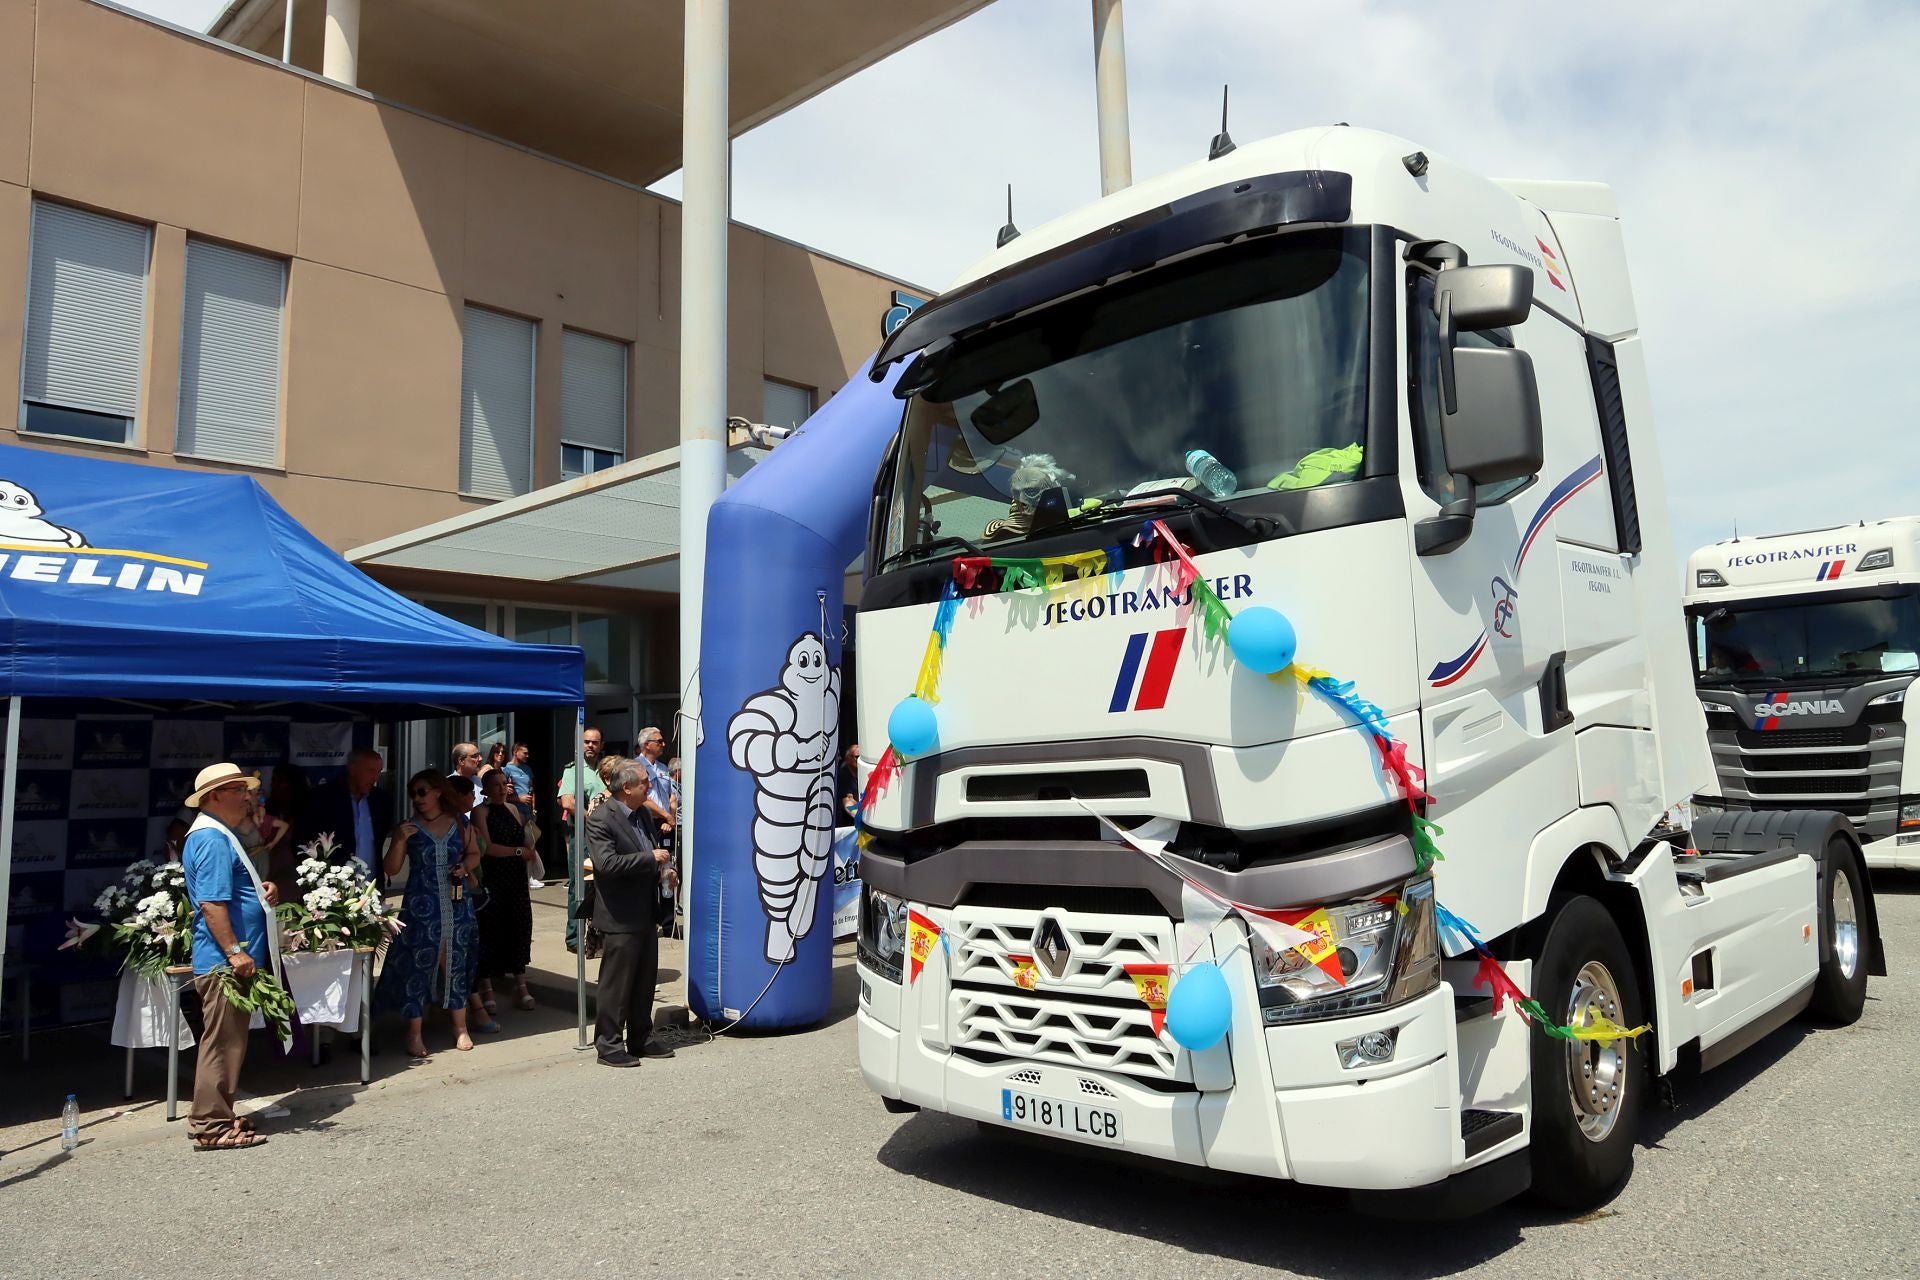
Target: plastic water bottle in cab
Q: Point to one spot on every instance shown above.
(1212, 474)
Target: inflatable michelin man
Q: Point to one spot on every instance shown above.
(787, 737)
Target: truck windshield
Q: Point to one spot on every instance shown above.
(1796, 640)
(1254, 357)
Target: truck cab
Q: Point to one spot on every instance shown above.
(1805, 650)
(1334, 376)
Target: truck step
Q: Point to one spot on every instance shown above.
(1483, 1129)
(1709, 868)
(1467, 1008)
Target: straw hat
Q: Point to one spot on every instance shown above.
(217, 775)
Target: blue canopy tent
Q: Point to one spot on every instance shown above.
(149, 585)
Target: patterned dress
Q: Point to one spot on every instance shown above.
(432, 961)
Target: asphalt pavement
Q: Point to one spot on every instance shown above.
(766, 1156)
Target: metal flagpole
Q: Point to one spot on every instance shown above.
(579, 851)
(7, 789)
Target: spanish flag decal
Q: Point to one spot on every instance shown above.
(1554, 269)
(922, 933)
(1150, 982)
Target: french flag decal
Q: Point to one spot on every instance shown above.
(1138, 690)
(1447, 672)
(1829, 570)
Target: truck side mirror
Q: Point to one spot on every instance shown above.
(1495, 434)
(1474, 299)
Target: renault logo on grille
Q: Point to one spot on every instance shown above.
(1050, 950)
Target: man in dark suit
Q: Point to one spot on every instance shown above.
(354, 807)
(626, 879)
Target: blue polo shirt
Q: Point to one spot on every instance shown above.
(214, 874)
(659, 783)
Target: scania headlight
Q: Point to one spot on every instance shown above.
(883, 932)
(1888, 699)
(1909, 813)
(1708, 578)
(1384, 950)
(1880, 559)
(1716, 708)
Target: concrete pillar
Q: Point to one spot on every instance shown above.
(340, 49)
(1110, 94)
(286, 35)
(703, 357)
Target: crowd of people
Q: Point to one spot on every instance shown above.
(465, 862)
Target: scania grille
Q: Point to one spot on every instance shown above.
(1788, 769)
(1853, 785)
(1005, 1005)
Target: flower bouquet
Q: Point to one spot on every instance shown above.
(147, 915)
(339, 911)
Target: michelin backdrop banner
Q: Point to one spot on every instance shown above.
(762, 893)
(96, 792)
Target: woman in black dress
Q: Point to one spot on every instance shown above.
(506, 925)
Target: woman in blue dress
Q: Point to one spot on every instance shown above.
(431, 963)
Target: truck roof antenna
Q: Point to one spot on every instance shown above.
(1009, 233)
(1222, 141)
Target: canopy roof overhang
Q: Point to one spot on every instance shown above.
(617, 528)
(595, 82)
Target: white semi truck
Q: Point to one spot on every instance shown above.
(1407, 408)
(1805, 650)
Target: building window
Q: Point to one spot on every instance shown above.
(785, 405)
(496, 404)
(593, 403)
(86, 321)
(230, 355)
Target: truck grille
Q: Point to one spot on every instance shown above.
(1778, 786)
(1786, 769)
(1090, 1016)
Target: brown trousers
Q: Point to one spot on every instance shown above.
(216, 1073)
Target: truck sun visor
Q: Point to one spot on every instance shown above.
(1218, 216)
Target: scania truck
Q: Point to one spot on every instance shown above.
(1805, 650)
(1406, 408)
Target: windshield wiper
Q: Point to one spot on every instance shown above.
(931, 544)
(1258, 526)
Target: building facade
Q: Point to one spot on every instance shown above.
(212, 259)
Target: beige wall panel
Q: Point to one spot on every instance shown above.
(551, 242)
(373, 385)
(746, 321)
(383, 191)
(653, 413)
(16, 221)
(346, 513)
(659, 273)
(548, 347)
(160, 372)
(823, 318)
(136, 119)
(16, 88)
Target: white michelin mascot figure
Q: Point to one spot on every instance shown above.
(20, 520)
(787, 738)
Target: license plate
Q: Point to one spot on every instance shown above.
(1068, 1119)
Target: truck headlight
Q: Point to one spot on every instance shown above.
(1881, 559)
(1388, 952)
(1708, 578)
(1888, 699)
(1909, 814)
(883, 932)
(1715, 708)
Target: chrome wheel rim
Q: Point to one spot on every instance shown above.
(1596, 1072)
(1846, 925)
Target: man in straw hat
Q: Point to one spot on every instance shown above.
(231, 929)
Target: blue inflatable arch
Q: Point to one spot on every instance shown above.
(760, 907)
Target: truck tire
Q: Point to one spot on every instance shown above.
(1586, 1097)
(1840, 991)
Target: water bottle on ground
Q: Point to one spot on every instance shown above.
(1212, 474)
(70, 1125)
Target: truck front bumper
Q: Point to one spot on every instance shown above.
(1274, 1101)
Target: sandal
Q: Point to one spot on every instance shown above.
(233, 1139)
(489, 1027)
(523, 999)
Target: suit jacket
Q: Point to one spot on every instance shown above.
(626, 878)
(330, 808)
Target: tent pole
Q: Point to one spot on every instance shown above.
(579, 852)
(7, 789)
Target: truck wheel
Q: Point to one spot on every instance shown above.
(1586, 1096)
(1840, 992)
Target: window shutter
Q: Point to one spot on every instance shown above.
(86, 311)
(496, 404)
(230, 355)
(785, 405)
(593, 392)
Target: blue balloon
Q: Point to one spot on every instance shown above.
(1262, 639)
(913, 729)
(1200, 1008)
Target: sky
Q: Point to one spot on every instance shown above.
(1763, 153)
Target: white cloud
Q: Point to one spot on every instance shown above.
(1762, 154)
